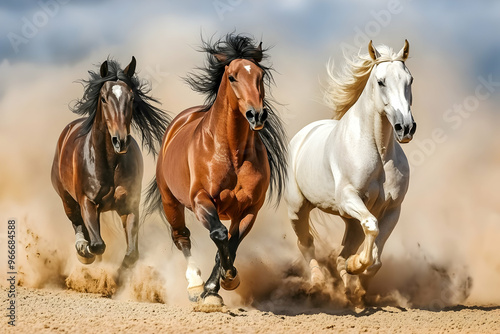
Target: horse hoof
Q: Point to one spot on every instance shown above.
(230, 283)
(194, 293)
(86, 260)
(317, 277)
(210, 303)
(213, 300)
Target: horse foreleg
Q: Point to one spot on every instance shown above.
(73, 211)
(91, 219)
(237, 231)
(354, 207)
(386, 225)
(206, 212)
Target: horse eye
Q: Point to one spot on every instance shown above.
(381, 83)
(103, 100)
(231, 78)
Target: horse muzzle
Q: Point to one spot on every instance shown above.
(404, 132)
(256, 119)
(120, 145)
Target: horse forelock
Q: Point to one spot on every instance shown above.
(221, 53)
(345, 87)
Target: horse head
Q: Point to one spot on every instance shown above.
(246, 81)
(116, 104)
(392, 87)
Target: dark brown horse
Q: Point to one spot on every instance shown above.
(98, 165)
(218, 160)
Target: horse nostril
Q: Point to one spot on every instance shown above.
(250, 115)
(413, 129)
(398, 127)
(115, 141)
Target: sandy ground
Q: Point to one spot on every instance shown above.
(66, 311)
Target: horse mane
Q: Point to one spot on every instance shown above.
(207, 81)
(344, 88)
(147, 119)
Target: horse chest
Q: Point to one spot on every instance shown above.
(241, 188)
(387, 189)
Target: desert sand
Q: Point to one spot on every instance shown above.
(66, 311)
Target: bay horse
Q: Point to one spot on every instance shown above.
(219, 159)
(353, 166)
(98, 165)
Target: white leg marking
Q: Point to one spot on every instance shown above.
(117, 90)
(193, 274)
(370, 224)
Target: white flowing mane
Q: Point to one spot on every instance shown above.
(344, 88)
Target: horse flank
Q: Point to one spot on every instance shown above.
(345, 87)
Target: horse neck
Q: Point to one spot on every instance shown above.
(371, 124)
(229, 128)
(100, 141)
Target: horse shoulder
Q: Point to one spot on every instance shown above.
(309, 163)
(397, 175)
(65, 164)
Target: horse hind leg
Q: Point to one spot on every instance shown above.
(305, 241)
(353, 238)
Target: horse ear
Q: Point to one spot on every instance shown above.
(220, 57)
(403, 54)
(130, 69)
(258, 55)
(374, 54)
(104, 69)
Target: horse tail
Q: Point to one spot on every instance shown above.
(152, 202)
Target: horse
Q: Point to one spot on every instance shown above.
(219, 159)
(353, 166)
(98, 165)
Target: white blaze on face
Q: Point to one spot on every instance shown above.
(117, 90)
(247, 67)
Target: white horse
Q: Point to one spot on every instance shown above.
(353, 165)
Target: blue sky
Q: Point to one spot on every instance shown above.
(68, 30)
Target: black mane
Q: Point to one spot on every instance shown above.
(237, 46)
(150, 121)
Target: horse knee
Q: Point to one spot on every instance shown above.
(219, 234)
(370, 226)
